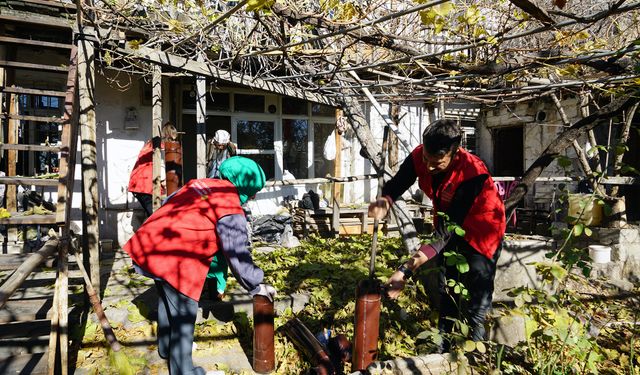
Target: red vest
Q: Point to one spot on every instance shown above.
(141, 179)
(485, 222)
(177, 242)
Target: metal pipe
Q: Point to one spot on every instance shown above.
(264, 360)
(309, 345)
(367, 326)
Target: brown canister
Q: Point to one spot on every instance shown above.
(173, 165)
(264, 356)
(367, 324)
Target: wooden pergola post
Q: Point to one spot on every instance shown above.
(86, 92)
(156, 89)
(201, 130)
(12, 159)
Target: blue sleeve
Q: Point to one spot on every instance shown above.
(232, 233)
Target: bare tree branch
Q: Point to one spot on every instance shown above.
(563, 141)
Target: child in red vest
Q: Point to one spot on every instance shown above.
(141, 178)
(176, 244)
(463, 193)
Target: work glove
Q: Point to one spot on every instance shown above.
(267, 291)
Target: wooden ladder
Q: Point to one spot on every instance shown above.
(14, 312)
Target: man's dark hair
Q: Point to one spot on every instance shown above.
(441, 137)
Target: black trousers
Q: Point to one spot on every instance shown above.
(479, 283)
(146, 201)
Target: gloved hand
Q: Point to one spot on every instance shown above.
(267, 291)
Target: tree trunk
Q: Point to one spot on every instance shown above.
(582, 156)
(624, 138)
(565, 140)
(372, 151)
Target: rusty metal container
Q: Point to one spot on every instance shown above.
(264, 355)
(367, 324)
(173, 165)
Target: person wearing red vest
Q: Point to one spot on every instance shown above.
(141, 178)
(464, 195)
(175, 246)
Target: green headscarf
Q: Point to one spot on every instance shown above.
(245, 174)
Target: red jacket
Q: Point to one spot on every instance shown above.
(485, 222)
(177, 242)
(141, 179)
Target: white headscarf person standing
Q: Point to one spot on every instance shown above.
(220, 149)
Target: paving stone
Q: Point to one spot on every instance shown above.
(431, 364)
(508, 330)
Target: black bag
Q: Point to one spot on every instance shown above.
(306, 202)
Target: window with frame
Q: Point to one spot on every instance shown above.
(255, 141)
(295, 152)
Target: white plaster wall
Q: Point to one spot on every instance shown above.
(537, 137)
(117, 151)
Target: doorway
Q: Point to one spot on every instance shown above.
(508, 151)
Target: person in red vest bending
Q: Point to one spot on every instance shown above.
(141, 178)
(463, 196)
(177, 242)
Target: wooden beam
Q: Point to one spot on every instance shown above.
(25, 17)
(27, 181)
(20, 275)
(22, 90)
(30, 66)
(32, 363)
(35, 148)
(32, 118)
(156, 125)
(10, 262)
(69, 140)
(204, 69)
(28, 219)
(31, 42)
(381, 112)
(57, 4)
(86, 86)
(26, 310)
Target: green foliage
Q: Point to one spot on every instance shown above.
(454, 259)
(256, 5)
(328, 270)
(436, 16)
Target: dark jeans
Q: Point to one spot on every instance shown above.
(176, 323)
(479, 283)
(146, 201)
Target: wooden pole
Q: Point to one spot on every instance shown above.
(156, 90)
(98, 309)
(20, 275)
(60, 318)
(86, 91)
(12, 159)
(201, 135)
(53, 334)
(337, 161)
